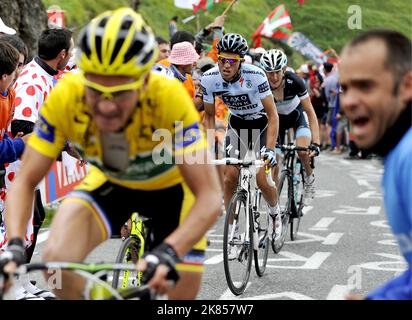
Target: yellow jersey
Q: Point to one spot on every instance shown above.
(164, 125)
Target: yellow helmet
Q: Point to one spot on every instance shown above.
(117, 43)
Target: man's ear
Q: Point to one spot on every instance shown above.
(405, 89)
(63, 53)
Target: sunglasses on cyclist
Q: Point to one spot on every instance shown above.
(231, 61)
(113, 93)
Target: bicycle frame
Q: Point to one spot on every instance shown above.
(93, 273)
(244, 186)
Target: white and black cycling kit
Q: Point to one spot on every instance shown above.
(290, 109)
(242, 95)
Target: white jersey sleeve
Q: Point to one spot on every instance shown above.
(208, 84)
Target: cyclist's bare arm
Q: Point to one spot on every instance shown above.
(209, 121)
(313, 121)
(273, 121)
(202, 180)
(20, 198)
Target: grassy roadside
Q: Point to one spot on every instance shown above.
(325, 22)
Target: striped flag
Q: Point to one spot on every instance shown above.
(277, 25)
(185, 4)
(206, 5)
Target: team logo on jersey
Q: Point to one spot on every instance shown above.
(249, 84)
(225, 84)
(263, 87)
(289, 81)
(241, 81)
(236, 101)
(203, 90)
(217, 84)
(45, 130)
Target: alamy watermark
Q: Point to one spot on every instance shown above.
(355, 18)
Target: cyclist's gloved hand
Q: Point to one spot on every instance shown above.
(14, 253)
(162, 254)
(316, 148)
(270, 156)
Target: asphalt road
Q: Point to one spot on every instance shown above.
(344, 242)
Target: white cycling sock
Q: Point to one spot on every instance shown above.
(273, 211)
(309, 179)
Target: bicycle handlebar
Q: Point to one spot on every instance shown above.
(248, 163)
(291, 147)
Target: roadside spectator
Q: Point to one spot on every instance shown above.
(164, 48)
(173, 26)
(216, 29)
(178, 37)
(330, 87)
(55, 47)
(319, 104)
(376, 79)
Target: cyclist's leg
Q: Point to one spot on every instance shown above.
(233, 146)
(86, 218)
(76, 230)
(166, 215)
(303, 139)
(259, 143)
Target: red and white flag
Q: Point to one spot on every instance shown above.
(277, 25)
(185, 4)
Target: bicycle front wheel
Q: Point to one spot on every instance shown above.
(298, 208)
(285, 203)
(262, 221)
(237, 244)
(128, 253)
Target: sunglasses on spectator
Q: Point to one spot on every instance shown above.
(231, 61)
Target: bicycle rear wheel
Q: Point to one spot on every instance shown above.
(285, 203)
(298, 208)
(263, 226)
(237, 244)
(128, 253)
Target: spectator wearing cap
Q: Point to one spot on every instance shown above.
(5, 29)
(179, 37)
(182, 59)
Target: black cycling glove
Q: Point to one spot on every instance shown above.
(162, 254)
(315, 147)
(14, 252)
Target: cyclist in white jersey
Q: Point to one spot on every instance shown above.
(253, 120)
(294, 108)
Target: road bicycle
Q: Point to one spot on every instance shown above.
(290, 191)
(247, 226)
(96, 274)
(131, 250)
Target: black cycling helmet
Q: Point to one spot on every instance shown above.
(233, 43)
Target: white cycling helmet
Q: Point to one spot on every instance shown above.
(273, 60)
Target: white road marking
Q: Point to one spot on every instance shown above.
(215, 259)
(380, 224)
(373, 210)
(312, 263)
(372, 194)
(333, 238)
(323, 224)
(339, 292)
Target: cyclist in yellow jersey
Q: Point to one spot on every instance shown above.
(138, 130)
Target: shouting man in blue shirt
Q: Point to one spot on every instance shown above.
(376, 80)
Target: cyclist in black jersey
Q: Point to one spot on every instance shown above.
(295, 111)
